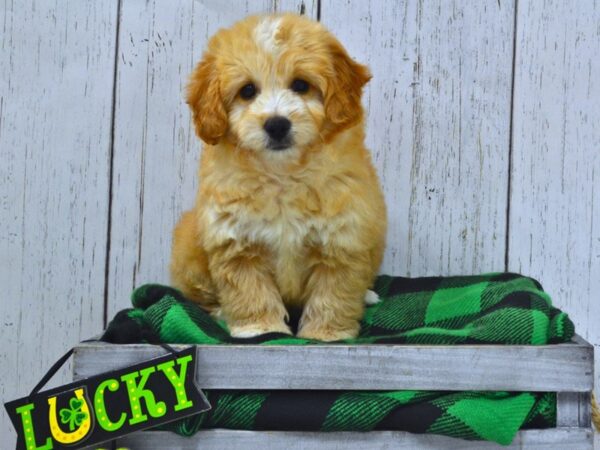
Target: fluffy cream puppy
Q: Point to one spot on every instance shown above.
(289, 211)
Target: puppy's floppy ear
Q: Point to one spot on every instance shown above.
(206, 102)
(344, 88)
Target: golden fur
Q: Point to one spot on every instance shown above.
(300, 227)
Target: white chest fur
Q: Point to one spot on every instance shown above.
(286, 221)
(275, 222)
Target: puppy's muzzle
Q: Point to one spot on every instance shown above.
(278, 131)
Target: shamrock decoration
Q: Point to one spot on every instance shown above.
(73, 416)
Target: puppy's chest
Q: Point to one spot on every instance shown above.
(284, 218)
(286, 221)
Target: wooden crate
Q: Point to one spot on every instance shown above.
(566, 369)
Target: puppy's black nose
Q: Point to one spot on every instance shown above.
(277, 127)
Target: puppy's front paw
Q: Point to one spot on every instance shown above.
(327, 334)
(217, 314)
(256, 329)
(371, 298)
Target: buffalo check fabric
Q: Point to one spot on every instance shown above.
(497, 308)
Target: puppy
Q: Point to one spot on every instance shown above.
(289, 211)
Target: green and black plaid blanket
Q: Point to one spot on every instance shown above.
(488, 309)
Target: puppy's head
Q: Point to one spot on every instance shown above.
(275, 85)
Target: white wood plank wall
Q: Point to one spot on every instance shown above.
(483, 121)
(56, 100)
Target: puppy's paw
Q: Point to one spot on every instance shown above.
(327, 334)
(256, 329)
(217, 314)
(371, 298)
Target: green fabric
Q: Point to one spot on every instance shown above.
(496, 308)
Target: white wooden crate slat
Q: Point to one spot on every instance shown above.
(573, 409)
(566, 367)
(554, 439)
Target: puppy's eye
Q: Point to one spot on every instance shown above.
(299, 86)
(248, 91)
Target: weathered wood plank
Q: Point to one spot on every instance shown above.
(56, 78)
(567, 409)
(438, 125)
(585, 409)
(554, 368)
(156, 150)
(554, 230)
(552, 439)
(573, 409)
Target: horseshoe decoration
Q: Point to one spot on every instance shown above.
(79, 406)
